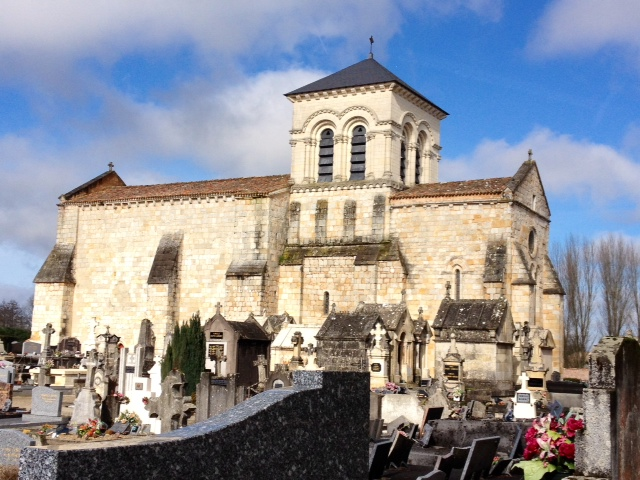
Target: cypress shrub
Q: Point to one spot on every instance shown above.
(186, 352)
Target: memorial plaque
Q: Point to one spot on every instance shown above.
(215, 335)
(130, 369)
(122, 428)
(451, 372)
(216, 350)
(138, 386)
(11, 442)
(523, 398)
(376, 367)
(535, 382)
(218, 381)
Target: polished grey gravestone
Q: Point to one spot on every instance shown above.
(46, 405)
(11, 442)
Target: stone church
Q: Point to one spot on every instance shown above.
(361, 219)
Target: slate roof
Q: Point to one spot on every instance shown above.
(366, 72)
(274, 323)
(391, 314)
(239, 187)
(58, 267)
(364, 253)
(249, 330)
(347, 326)
(470, 314)
(489, 186)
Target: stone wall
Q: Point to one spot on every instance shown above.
(279, 434)
(608, 447)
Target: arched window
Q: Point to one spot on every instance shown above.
(325, 162)
(403, 161)
(418, 164)
(457, 283)
(325, 303)
(358, 150)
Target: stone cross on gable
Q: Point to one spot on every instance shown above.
(525, 380)
(448, 287)
(452, 347)
(218, 307)
(261, 363)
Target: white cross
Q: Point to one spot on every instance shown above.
(525, 380)
(378, 331)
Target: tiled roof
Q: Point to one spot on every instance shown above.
(489, 186)
(251, 186)
(366, 72)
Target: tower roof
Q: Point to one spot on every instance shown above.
(366, 72)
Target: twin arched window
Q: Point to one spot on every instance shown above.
(358, 154)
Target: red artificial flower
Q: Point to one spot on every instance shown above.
(575, 425)
(567, 450)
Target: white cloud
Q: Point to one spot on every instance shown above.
(490, 10)
(569, 167)
(586, 26)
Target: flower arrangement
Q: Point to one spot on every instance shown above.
(145, 400)
(48, 364)
(129, 417)
(121, 398)
(93, 428)
(550, 446)
(392, 387)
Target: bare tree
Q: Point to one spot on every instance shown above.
(577, 269)
(13, 316)
(614, 266)
(635, 285)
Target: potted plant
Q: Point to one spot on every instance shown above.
(550, 448)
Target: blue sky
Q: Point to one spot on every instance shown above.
(191, 90)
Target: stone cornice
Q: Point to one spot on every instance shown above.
(348, 185)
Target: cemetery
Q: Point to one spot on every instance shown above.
(127, 415)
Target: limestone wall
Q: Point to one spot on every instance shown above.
(115, 247)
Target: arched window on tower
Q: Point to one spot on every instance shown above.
(325, 162)
(358, 151)
(325, 303)
(457, 283)
(418, 164)
(403, 162)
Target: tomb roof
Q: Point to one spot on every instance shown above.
(366, 72)
(347, 325)
(249, 331)
(475, 314)
(239, 187)
(390, 313)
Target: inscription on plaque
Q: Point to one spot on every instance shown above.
(218, 381)
(523, 398)
(216, 350)
(215, 335)
(138, 386)
(376, 367)
(129, 369)
(451, 372)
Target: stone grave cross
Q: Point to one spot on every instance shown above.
(261, 363)
(525, 381)
(91, 365)
(378, 333)
(46, 354)
(297, 341)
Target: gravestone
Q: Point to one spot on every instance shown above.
(7, 371)
(6, 396)
(70, 345)
(261, 363)
(144, 349)
(31, 348)
(524, 403)
(173, 408)
(477, 410)
(48, 330)
(46, 406)
(11, 442)
(87, 403)
(121, 428)
(216, 395)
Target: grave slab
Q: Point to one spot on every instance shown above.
(11, 442)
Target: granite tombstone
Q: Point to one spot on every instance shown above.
(11, 442)
(46, 406)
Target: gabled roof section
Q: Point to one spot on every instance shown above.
(58, 267)
(366, 72)
(238, 187)
(107, 179)
(528, 168)
(490, 187)
(391, 314)
(249, 330)
(474, 320)
(347, 326)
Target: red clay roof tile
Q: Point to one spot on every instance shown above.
(250, 186)
(489, 186)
